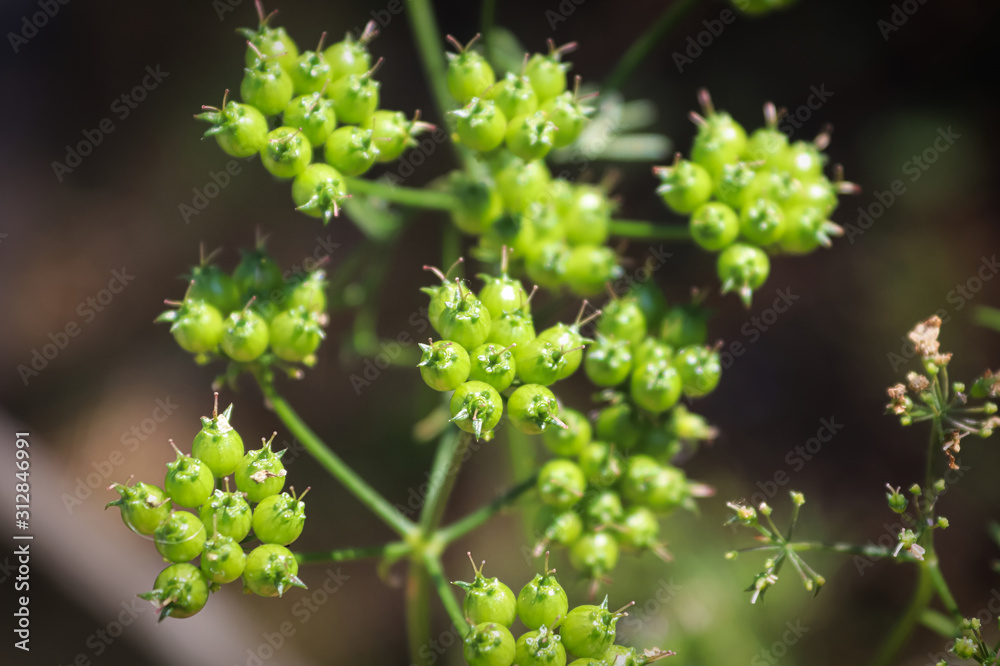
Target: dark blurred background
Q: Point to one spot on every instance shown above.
(827, 357)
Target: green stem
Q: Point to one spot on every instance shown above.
(850, 549)
(389, 550)
(987, 316)
(642, 46)
(941, 585)
(896, 640)
(489, 20)
(447, 462)
(937, 622)
(332, 462)
(407, 196)
(444, 591)
(418, 619)
(463, 526)
(430, 45)
(640, 229)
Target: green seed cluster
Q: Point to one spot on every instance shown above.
(253, 315)
(556, 228)
(489, 350)
(749, 197)
(327, 100)
(555, 633)
(611, 480)
(219, 521)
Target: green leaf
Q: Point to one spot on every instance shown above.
(373, 217)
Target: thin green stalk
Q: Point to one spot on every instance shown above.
(333, 464)
(444, 591)
(430, 46)
(489, 19)
(464, 525)
(640, 229)
(407, 196)
(900, 634)
(444, 472)
(418, 619)
(389, 550)
(937, 622)
(642, 46)
(941, 585)
(850, 549)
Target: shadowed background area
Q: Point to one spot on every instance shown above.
(105, 405)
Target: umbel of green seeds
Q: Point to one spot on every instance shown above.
(227, 513)
(543, 600)
(143, 505)
(684, 186)
(270, 571)
(589, 631)
(223, 559)
(313, 114)
(476, 407)
(393, 133)
(547, 73)
(180, 537)
(568, 441)
(189, 481)
(351, 56)
(217, 444)
(355, 97)
(487, 599)
(444, 365)
(260, 474)
(556, 526)
(503, 293)
(480, 125)
(180, 591)
(280, 518)
(239, 129)
(608, 361)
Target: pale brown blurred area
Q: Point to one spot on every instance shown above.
(119, 210)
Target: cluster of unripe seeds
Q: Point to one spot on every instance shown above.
(326, 99)
(557, 228)
(240, 316)
(554, 631)
(750, 196)
(489, 348)
(610, 480)
(219, 521)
